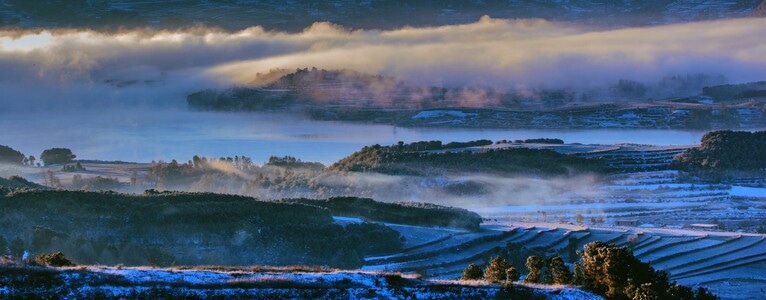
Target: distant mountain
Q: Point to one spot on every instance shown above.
(760, 11)
(380, 14)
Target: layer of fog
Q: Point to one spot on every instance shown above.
(121, 96)
(84, 69)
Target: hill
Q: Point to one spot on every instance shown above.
(722, 151)
(184, 228)
(411, 213)
(404, 159)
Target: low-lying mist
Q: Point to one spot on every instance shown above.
(271, 182)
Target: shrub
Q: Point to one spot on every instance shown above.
(50, 259)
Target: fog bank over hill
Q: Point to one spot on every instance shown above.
(83, 68)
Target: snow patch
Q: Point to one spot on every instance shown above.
(744, 191)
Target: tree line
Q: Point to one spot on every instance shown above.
(50, 156)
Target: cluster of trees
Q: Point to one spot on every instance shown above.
(57, 156)
(726, 150)
(73, 168)
(605, 269)
(185, 228)
(396, 160)
(290, 161)
(173, 172)
(10, 155)
(49, 156)
(413, 213)
(241, 99)
(499, 270)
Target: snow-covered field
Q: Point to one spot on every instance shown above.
(145, 282)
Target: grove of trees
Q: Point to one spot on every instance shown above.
(10, 155)
(725, 150)
(57, 156)
(605, 269)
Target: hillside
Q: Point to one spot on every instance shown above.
(184, 228)
(723, 262)
(722, 151)
(257, 282)
(401, 159)
(423, 214)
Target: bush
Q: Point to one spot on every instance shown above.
(56, 259)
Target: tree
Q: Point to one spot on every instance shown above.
(614, 272)
(10, 155)
(31, 160)
(57, 156)
(560, 273)
(535, 265)
(496, 269)
(472, 272)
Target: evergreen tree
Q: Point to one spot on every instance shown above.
(472, 272)
(496, 269)
(535, 266)
(560, 273)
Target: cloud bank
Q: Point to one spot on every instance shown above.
(70, 66)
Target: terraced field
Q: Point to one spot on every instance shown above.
(728, 263)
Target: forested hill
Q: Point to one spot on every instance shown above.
(15, 183)
(184, 228)
(726, 151)
(337, 89)
(403, 159)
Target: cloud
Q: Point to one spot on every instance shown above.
(71, 66)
